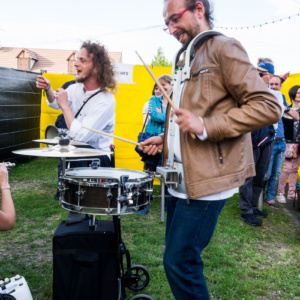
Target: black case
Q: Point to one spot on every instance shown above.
(85, 262)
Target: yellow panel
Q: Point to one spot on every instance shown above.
(293, 79)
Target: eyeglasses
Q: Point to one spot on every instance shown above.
(174, 19)
(263, 74)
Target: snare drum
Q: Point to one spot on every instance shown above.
(105, 191)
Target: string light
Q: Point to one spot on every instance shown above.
(260, 25)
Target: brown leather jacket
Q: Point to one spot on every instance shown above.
(227, 92)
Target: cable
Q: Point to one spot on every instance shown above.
(260, 25)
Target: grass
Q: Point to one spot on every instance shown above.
(241, 262)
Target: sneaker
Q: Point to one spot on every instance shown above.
(291, 197)
(251, 219)
(143, 212)
(259, 213)
(280, 199)
(272, 204)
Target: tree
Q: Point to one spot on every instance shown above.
(160, 59)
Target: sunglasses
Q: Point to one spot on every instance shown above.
(263, 74)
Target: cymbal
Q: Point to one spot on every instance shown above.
(55, 141)
(62, 151)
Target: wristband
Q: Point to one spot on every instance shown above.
(7, 188)
(48, 88)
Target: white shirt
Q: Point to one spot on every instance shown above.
(98, 113)
(279, 97)
(145, 108)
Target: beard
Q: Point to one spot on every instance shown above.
(83, 79)
(191, 32)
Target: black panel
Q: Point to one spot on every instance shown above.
(20, 110)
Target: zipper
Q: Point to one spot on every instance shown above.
(220, 154)
(202, 71)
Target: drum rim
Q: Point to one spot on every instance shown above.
(110, 182)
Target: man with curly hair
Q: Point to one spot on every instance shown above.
(94, 76)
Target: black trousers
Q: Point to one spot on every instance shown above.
(252, 188)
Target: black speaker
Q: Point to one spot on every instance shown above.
(86, 263)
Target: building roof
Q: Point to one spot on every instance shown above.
(52, 60)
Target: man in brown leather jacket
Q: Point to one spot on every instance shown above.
(222, 102)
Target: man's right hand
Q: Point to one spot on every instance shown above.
(152, 145)
(42, 82)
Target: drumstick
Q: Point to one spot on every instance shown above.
(161, 89)
(116, 137)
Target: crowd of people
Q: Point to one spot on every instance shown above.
(241, 123)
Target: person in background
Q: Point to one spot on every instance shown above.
(156, 124)
(155, 92)
(272, 176)
(262, 146)
(292, 135)
(261, 60)
(7, 212)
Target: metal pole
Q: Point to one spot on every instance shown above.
(162, 199)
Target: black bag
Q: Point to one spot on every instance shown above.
(148, 159)
(143, 136)
(60, 122)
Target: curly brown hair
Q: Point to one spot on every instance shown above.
(103, 64)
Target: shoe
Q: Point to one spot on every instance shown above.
(280, 199)
(56, 196)
(272, 204)
(251, 219)
(291, 197)
(259, 213)
(143, 212)
(74, 217)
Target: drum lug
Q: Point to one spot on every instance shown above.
(80, 194)
(148, 191)
(136, 195)
(109, 196)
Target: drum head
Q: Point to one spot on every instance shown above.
(105, 173)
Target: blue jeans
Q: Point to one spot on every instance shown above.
(274, 169)
(189, 228)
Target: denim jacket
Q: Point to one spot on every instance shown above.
(156, 124)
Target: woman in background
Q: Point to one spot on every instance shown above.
(292, 136)
(155, 92)
(156, 124)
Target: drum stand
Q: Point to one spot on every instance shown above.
(136, 277)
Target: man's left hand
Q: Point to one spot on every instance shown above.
(188, 122)
(61, 97)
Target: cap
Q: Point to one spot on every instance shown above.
(266, 67)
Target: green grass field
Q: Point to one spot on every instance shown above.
(241, 262)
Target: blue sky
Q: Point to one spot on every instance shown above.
(129, 25)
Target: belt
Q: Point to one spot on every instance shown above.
(278, 139)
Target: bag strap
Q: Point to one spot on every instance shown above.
(86, 103)
(145, 121)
